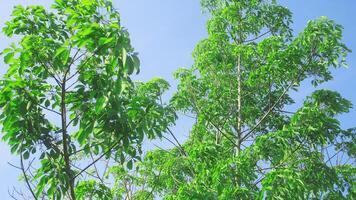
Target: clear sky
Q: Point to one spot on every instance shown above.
(164, 32)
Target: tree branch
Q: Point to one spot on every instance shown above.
(51, 110)
(86, 61)
(268, 112)
(96, 160)
(96, 169)
(24, 172)
(175, 139)
(65, 141)
(154, 186)
(253, 39)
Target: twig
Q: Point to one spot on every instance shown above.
(268, 112)
(24, 172)
(180, 146)
(253, 39)
(86, 61)
(56, 112)
(96, 169)
(154, 186)
(96, 160)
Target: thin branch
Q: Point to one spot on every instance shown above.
(96, 169)
(11, 195)
(253, 39)
(89, 174)
(170, 141)
(268, 112)
(51, 110)
(24, 172)
(154, 186)
(72, 120)
(73, 60)
(178, 145)
(38, 104)
(96, 160)
(12, 165)
(282, 162)
(288, 112)
(112, 147)
(175, 139)
(88, 147)
(329, 160)
(184, 114)
(71, 85)
(54, 75)
(86, 61)
(106, 167)
(165, 150)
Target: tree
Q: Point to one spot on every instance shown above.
(244, 143)
(72, 65)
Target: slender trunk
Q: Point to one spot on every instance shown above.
(239, 118)
(65, 141)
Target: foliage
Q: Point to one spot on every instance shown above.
(74, 62)
(72, 65)
(244, 144)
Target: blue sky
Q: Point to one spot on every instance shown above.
(165, 33)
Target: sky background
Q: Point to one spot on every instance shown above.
(165, 32)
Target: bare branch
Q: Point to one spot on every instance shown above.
(175, 139)
(96, 169)
(88, 147)
(12, 165)
(96, 160)
(51, 110)
(86, 61)
(24, 172)
(54, 76)
(253, 39)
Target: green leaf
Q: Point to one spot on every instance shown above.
(47, 103)
(63, 54)
(129, 164)
(136, 63)
(87, 31)
(8, 58)
(60, 51)
(122, 157)
(124, 56)
(129, 65)
(28, 106)
(101, 103)
(42, 156)
(82, 135)
(104, 41)
(26, 155)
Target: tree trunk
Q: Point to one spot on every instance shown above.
(65, 141)
(239, 118)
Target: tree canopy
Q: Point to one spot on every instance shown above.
(74, 62)
(67, 96)
(244, 143)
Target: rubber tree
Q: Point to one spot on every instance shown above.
(247, 142)
(68, 102)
